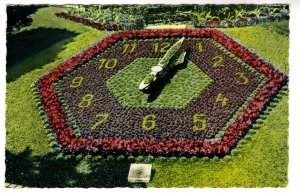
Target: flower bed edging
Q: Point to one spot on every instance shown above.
(97, 25)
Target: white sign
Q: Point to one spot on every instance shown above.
(139, 173)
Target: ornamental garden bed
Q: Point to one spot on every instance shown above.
(203, 108)
(129, 17)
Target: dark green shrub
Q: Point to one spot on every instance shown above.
(182, 159)
(243, 142)
(247, 137)
(227, 158)
(79, 157)
(252, 131)
(88, 157)
(131, 158)
(150, 158)
(59, 156)
(67, 156)
(110, 157)
(98, 157)
(193, 159)
(120, 157)
(140, 158)
(205, 159)
(234, 152)
(215, 159)
(161, 159)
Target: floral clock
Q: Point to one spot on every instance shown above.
(201, 107)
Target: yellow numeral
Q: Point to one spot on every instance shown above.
(127, 46)
(103, 117)
(76, 82)
(149, 122)
(222, 99)
(243, 77)
(199, 121)
(108, 63)
(161, 47)
(86, 101)
(218, 61)
(200, 47)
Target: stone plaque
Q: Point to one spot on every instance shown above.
(139, 173)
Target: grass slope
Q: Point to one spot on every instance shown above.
(261, 162)
(23, 123)
(266, 40)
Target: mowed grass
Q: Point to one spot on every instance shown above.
(266, 40)
(261, 162)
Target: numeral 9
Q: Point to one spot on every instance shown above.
(76, 82)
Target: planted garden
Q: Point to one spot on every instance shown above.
(114, 17)
(212, 113)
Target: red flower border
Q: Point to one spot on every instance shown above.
(69, 143)
(97, 25)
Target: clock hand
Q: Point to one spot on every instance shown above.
(164, 65)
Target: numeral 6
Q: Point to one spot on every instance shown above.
(149, 122)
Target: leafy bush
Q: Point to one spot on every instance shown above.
(227, 158)
(234, 152)
(110, 157)
(193, 159)
(120, 157)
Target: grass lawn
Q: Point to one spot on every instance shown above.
(261, 162)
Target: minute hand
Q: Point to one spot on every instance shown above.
(170, 53)
(164, 65)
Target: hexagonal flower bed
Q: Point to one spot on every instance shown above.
(202, 107)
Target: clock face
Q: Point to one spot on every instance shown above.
(194, 102)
